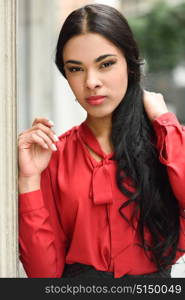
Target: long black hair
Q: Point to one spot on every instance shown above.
(133, 138)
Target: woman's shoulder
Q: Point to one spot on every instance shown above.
(68, 137)
(70, 132)
(66, 141)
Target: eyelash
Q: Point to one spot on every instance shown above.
(105, 64)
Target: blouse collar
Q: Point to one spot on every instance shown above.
(91, 141)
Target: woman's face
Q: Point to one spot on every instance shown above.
(95, 67)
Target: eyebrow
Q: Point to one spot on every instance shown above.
(77, 62)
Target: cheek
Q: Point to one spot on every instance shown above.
(119, 81)
(75, 85)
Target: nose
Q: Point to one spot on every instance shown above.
(92, 80)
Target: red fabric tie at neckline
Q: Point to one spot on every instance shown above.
(101, 187)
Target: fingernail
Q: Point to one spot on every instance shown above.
(55, 138)
(53, 147)
(51, 123)
(46, 146)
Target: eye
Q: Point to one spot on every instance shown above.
(74, 69)
(107, 64)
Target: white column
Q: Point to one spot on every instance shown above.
(35, 60)
(8, 137)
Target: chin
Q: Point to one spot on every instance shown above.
(100, 114)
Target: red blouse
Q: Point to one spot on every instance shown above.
(74, 217)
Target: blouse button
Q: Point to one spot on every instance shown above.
(164, 121)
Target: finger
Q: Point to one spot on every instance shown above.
(39, 140)
(45, 121)
(27, 140)
(42, 127)
(150, 93)
(46, 139)
(46, 130)
(51, 133)
(153, 93)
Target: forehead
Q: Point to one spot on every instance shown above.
(89, 46)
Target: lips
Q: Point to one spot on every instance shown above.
(95, 100)
(95, 97)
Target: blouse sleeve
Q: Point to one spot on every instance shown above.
(171, 147)
(42, 241)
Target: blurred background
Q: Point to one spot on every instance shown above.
(43, 92)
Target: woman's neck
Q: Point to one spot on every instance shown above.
(101, 127)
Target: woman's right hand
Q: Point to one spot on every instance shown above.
(35, 146)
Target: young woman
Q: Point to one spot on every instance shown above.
(107, 197)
